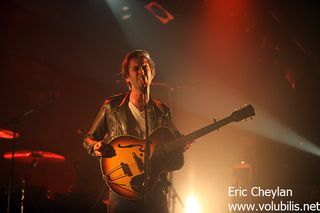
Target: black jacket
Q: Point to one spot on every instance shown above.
(115, 119)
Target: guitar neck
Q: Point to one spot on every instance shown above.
(203, 131)
(181, 142)
(236, 116)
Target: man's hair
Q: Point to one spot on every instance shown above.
(136, 54)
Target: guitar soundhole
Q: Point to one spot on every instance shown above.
(137, 183)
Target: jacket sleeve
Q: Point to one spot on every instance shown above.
(98, 130)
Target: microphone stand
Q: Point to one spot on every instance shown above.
(147, 170)
(174, 197)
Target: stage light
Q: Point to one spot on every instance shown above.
(270, 127)
(192, 205)
(127, 16)
(125, 8)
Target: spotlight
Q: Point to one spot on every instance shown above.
(192, 205)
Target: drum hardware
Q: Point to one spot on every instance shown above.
(8, 134)
(14, 135)
(33, 158)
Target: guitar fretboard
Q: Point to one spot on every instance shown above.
(181, 142)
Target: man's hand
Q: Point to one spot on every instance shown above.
(103, 150)
(96, 149)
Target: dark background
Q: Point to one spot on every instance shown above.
(212, 58)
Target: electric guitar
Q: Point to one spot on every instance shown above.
(124, 172)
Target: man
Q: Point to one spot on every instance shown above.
(124, 115)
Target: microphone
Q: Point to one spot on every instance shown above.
(144, 76)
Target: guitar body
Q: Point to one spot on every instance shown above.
(124, 172)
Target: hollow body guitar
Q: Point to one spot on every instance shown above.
(124, 172)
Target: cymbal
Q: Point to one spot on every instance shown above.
(27, 156)
(7, 134)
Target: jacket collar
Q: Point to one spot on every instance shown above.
(126, 99)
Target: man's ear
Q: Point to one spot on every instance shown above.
(126, 79)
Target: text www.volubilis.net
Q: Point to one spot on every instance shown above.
(274, 207)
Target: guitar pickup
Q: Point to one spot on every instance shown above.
(138, 161)
(126, 169)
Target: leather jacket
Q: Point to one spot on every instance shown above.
(115, 119)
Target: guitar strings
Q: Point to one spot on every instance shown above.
(114, 169)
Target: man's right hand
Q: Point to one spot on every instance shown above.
(96, 149)
(103, 150)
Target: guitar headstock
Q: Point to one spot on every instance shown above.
(243, 113)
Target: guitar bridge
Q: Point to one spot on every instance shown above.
(126, 169)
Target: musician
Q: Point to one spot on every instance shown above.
(123, 114)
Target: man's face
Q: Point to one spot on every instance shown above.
(137, 67)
